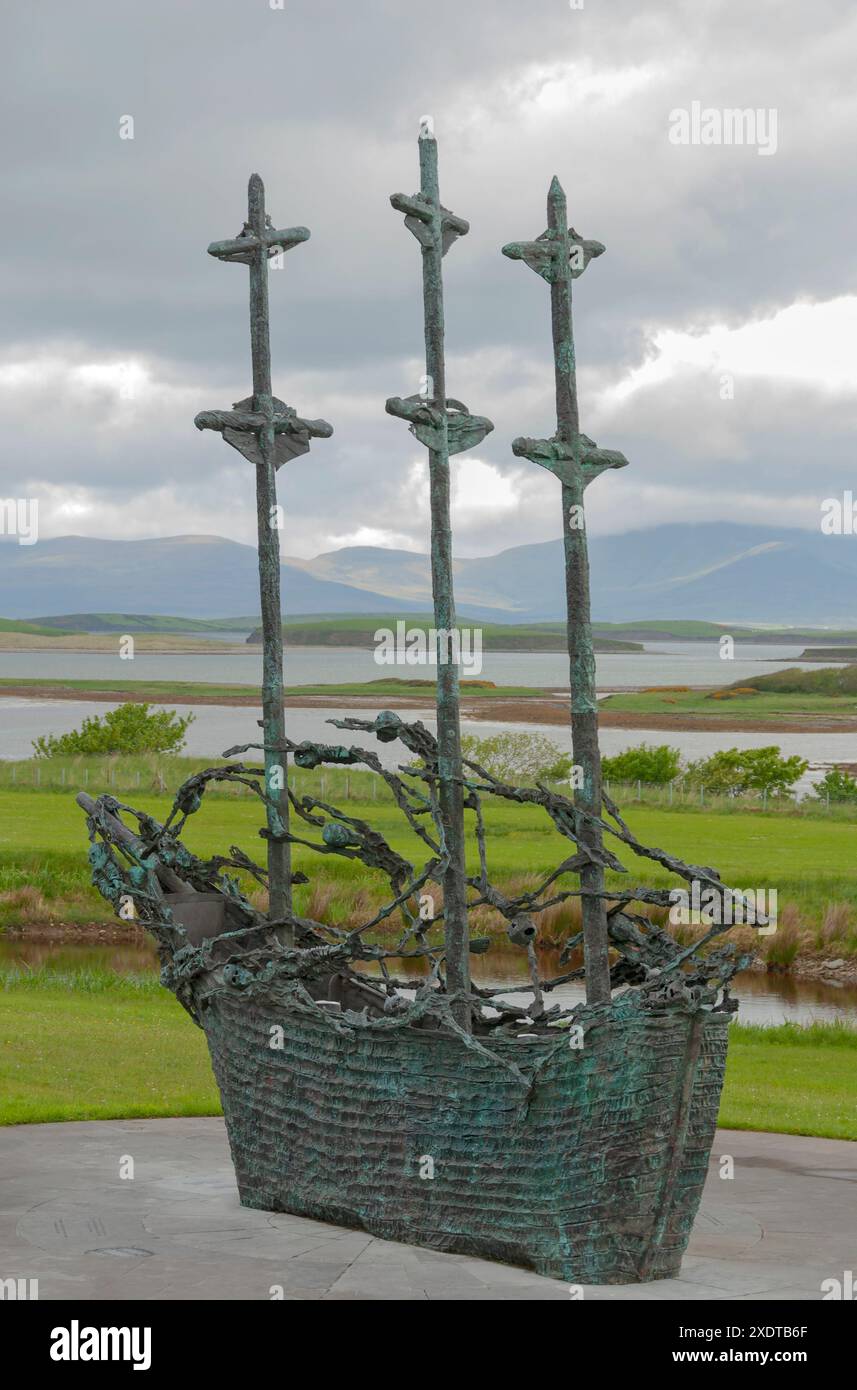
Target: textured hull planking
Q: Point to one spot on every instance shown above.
(593, 1176)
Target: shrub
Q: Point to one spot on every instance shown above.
(836, 785)
(130, 728)
(735, 770)
(645, 763)
(516, 756)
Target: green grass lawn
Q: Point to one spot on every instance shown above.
(809, 860)
(792, 1080)
(72, 1055)
(101, 1047)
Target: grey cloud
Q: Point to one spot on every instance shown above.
(104, 240)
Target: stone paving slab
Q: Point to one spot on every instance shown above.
(783, 1224)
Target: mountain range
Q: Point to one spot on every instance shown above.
(715, 571)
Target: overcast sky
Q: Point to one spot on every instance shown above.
(721, 259)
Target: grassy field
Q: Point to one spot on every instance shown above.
(806, 855)
(94, 1046)
(722, 705)
(792, 1080)
(68, 1053)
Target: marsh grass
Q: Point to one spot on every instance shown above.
(806, 857)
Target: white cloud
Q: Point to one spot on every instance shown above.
(810, 344)
(368, 535)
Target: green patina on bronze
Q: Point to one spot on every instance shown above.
(559, 255)
(445, 427)
(268, 433)
(573, 1139)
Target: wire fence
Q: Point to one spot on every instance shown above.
(161, 775)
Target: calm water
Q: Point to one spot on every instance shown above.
(662, 663)
(217, 727)
(764, 999)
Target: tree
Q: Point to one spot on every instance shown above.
(645, 763)
(515, 756)
(130, 728)
(733, 771)
(836, 785)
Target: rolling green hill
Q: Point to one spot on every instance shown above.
(498, 637)
(36, 629)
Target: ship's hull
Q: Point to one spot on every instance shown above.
(591, 1172)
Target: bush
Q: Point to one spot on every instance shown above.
(836, 785)
(131, 728)
(514, 757)
(645, 763)
(735, 770)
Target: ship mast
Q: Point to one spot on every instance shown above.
(268, 433)
(559, 256)
(445, 427)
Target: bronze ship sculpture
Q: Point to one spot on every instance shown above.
(571, 1140)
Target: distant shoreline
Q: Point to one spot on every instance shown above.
(539, 707)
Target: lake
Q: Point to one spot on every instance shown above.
(218, 727)
(661, 663)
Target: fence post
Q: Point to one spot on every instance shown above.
(671, 793)
(702, 796)
(38, 775)
(639, 789)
